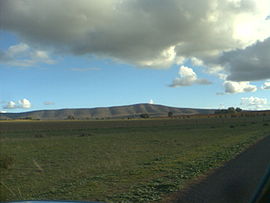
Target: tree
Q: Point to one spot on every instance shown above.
(70, 117)
(238, 109)
(144, 115)
(221, 111)
(231, 110)
(170, 114)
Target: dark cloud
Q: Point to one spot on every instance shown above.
(148, 33)
(152, 33)
(249, 64)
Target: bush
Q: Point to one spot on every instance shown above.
(144, 115)
(71, 117)
(39, 135)
(85, 135)
(6, 162)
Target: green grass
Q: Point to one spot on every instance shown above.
(117, 161)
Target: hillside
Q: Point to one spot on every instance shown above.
(132, 111)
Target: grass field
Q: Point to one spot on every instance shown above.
(117, 161)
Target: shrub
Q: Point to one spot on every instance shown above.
(39, 135)
(85, 135)
(6, 162)
(71, 117)
(144, 115)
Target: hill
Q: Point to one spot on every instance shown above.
(131, 111)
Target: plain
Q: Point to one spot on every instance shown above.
(139, 160)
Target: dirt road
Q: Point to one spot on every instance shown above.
(236, 182)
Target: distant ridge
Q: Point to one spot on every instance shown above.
(129, 111)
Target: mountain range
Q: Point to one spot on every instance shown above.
(129, 111)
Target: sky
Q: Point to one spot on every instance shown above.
(87, 53)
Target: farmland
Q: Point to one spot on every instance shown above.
(118, 160)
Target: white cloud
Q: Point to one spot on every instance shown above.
(196, 62)
(17, 50)
(3, 111)
(255, 103)
(39, 56)
(179, 60)
(164, 59)
(188, 77)
(147, 33)
(21, 104)
(23, 55)
(10, 105)
(222, 76)
(151, 101)
(24, 103)
(266, 85)
(232, 87)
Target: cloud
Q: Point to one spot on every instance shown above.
(266, 85)
(48, 103)
(24, 103)
(232, 87)
(151, 101)
(196, 62)
(145, 33)
(254, 102)
(249, 64)
(23, 55)
(188, 77)
(21, 104)
(17, 50)
(3, 111)
(85, 69)
(10, 105)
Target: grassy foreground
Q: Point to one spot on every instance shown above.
(116, 161)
